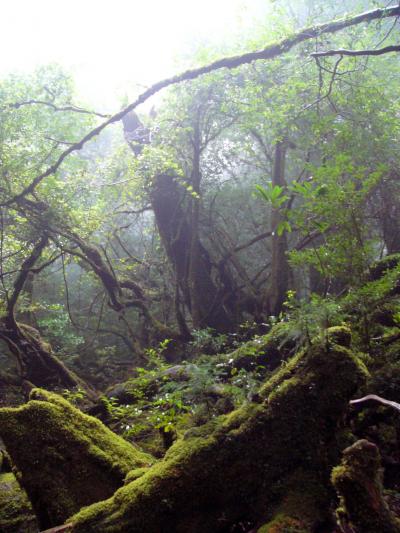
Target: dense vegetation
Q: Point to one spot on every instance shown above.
(214, 281)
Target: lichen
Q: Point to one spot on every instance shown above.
(239, 467)
(67, 459)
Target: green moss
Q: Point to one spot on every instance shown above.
(16, 513)
(318, 351)
(239, 468)
(134, 474)
(283, 524)
(339, 335)
(358, 481)
(266, 351)
(66, 458)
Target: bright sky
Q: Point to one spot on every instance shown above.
(113, 46)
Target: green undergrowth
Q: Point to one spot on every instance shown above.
(173, 398)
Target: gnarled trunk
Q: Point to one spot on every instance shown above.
(190, 260)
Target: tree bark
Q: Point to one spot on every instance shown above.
(189, 258)
(280, 269)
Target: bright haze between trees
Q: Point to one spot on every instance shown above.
(113, 49)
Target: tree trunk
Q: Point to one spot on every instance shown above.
(189, 259)
(280, 269)
(358, 481)
(35, 361)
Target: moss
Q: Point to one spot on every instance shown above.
(267, 351)
(239, 468)
(283, 524)
(134, 474)
(339, 335)
(16, 513)
(67, 459)
(358, 481)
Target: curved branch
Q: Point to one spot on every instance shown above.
(26, 268)
(73, 108)
(395, 405)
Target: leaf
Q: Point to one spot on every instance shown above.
(282, 227)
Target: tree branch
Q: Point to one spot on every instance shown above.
(269, 52)
(24, 272)
(376, 398)
(343, 52)
(73, 108)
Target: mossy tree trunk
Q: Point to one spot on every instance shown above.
(358, 481)
(238, 470)
(66, 459)
(177, 215)
(188, 256)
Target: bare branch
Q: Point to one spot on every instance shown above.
(264, 235)
(73, 108)
(269, 52)
(343, 52)
(395, 405)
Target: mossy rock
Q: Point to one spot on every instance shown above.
(238, 469)
(67, 459)
(16, 513)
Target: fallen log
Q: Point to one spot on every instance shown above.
(65, 459)
(241, 469)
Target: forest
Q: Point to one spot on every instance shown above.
(200, 291)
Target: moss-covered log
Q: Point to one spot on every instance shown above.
(240, 468)
(16, 513)
(66, 458)
(358, 481)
